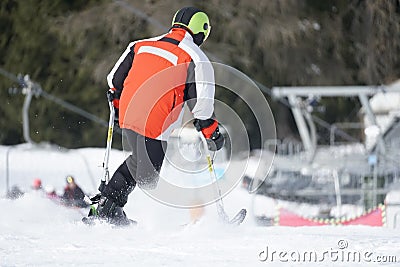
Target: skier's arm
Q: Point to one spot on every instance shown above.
(199, 96)
(119, 72)
(200, 89)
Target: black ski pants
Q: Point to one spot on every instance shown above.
(142, 167)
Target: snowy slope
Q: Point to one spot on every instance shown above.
(35, 231)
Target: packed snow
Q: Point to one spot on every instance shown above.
(37, 231)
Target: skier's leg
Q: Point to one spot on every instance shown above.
(142, 167)
(115, 193)
(150, 156)
(120, 186)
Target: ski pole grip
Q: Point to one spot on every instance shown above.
(110, 95)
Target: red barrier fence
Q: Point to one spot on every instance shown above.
(373, 217)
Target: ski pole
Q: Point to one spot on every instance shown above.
(241, 215)
(211, 170)
(106, 173)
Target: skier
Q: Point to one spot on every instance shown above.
(15, 192)
(149, 111)
(37, 184)
(73, 194)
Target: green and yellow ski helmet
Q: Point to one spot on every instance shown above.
(195, 20)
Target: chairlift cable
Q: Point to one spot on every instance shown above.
(37, 89)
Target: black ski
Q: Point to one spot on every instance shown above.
(119, 221)
(238, 219)
(93, 220)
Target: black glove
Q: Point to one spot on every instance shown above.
(209, 128)
(216, 142)
(113, 96)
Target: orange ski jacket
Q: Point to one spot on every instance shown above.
(155, 77)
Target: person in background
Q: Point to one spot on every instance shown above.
(51, 192)
(15, 192)
(73, 194)
(37, 184)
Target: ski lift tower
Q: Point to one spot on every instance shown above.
(300, 99)
(302, 115)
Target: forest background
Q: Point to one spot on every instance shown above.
(68, 47)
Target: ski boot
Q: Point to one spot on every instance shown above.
(108, 211)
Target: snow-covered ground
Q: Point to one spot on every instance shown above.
(35, 231)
